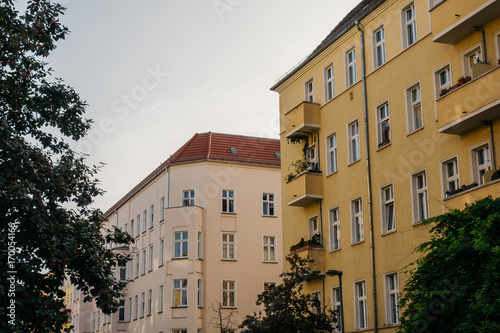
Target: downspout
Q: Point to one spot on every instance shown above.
(168, 188)
(489, 123)
(480, 29)
(369, 178)
(321, 222)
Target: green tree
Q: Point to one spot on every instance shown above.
(455, 285)
(47, 230)
(287, 308)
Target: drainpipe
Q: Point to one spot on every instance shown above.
(480, 29)
(321, 222)
(489, 123)
(168, 189)
(369, 178)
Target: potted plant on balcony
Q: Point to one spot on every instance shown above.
(303, 244)
(462, 80)
(443, 92)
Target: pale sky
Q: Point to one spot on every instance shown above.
(155, 72)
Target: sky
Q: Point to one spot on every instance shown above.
(155, 72)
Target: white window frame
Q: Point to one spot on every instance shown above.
(182, 243)
(383, 117)
(143, 304)
(414, 108)
(269, 248)
(121, 310)
(200, 245)
(228, 242)
(379, 57)
(337, 307)
(179, 330)
(188, 197)
(132, 230)
(162, 209)
(138, 231)
(331, 144)
(151, 216)
(388, 204)
(180, 286)
(439, 74)
(150, 303)
(451, 182)
(228, 202)
(360, 305)
(353, 141)
(136, 307)
(392, 298)
(329, 83)
(334, 219)
(161, 255)
(478, 169)
(229, 290)
(420, 196)
(309, 91)
(200, 293)
(123, 273)
(143, 270)
(357, 226)
(137, 264)
(434, 3)
(144, 220)
(409, 26)
(160, 298)
(471, 57)
(350, 67)
(314, 228)
(268, 204)
(151, 253)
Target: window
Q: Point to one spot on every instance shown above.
(480, 162)
(471, 58)
(144, 216)
(160, 298)
(314, 229)
(383, 128)
(162, 209)
(200, 245)
(350, 65)
(132, 234)
(150, 267)
(268, 204)
(143, 271)
(151, 216)
(138, 229)
(228, 201)
(180, 292)
(337, 308)
(179, 331)
(449, 169)
(316, 295)
(360, 305)
(354, 152)
(392, 298)
(161, 255)
(188, 198)
(442, 79)
(312, 161)
(388, 216)
(228, 246)
(334, 229)
(228, 294)
(379, 47)
(123, 273)
(309, 91)
(357, 221)
(332, 153)
(136, 307)
(269, 249)
(497, 41)
(150, 301)
(267, 286)
(329, 84)
(414, 108)
(143, 297)
(409, 25)
(200, 293)
(420, 200)
(434, 3)
(137, 265)
(180, 244)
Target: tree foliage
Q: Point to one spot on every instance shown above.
(48, 230)
(455, 285)
(287, 308)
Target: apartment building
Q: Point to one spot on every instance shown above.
(207, 233)
(392, 119)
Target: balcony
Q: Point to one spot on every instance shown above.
(304, 189)
(459, 200)
(468, 106)
(304, 118)
(451, 22)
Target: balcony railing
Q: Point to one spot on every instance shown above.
(450, 25)
(304, 189)
(468, 106)
(304, 118)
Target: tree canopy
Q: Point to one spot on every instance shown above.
(48, 229)
(287, 309)
(455, 285)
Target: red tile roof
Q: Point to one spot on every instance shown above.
(215, 147)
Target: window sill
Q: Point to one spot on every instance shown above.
(354, 162)
(415, 131)
(179, 307)
(383, 145)
(332, 173)
(179, 258)
(161, 311)
(388, 233)
(270, 216)
(228, 213)
(357, 243)
(269, 262)
(336, 250)
(225, 259)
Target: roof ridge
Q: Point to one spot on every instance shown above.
(183, 148)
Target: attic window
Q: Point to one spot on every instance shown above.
(277, 154)
(233, 150)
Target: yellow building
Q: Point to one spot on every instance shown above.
(378, 132)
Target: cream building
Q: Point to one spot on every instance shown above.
(207, 230)
(378, 133)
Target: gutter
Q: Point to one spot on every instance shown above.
(369, 177)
